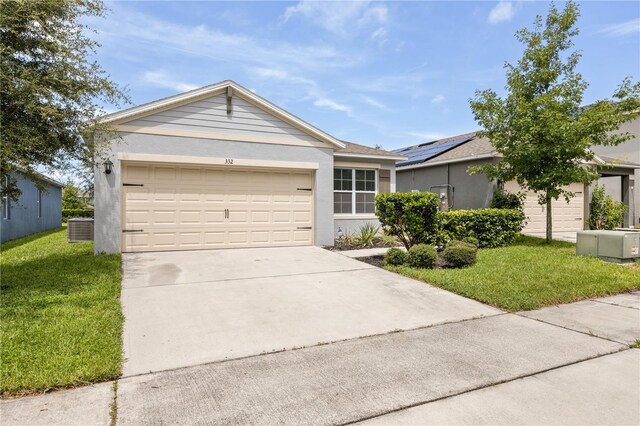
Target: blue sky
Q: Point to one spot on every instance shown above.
(387, 73)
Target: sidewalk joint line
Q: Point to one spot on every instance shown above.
(615, 304)
(251, 278)
(297, 348)
(524, 376)
(571, 329)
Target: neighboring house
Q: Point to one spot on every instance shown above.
(626, 152)
(35, 211)
(221, 167)
(442, 167)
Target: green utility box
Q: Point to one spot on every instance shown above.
(612, 246)
(587, 243)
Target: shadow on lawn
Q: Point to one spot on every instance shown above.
(67, 270)
(18, 242)
(527, 241)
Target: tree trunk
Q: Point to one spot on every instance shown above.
(549, 222)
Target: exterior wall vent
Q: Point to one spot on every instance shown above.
(79, 229)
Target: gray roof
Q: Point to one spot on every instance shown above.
(473, 147)
(354, 148)
(611, 161)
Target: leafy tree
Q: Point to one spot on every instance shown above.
(540, 128)
(71, 198)
(50, 86)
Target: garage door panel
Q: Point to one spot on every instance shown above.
(567, 217)
(214, 239)
(137, 172)
(302, 217)
(164, 174)
(183, 207)
(301, 235)
(260, 217)
(164, 217)
(190, 217)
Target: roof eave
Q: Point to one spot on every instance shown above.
(370, 156)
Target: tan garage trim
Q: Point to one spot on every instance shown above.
(191, 207)
(216, 161)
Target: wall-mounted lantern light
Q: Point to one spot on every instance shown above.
(107, 166)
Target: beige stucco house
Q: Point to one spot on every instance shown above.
(221, 167)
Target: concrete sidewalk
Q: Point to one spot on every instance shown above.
(501, 369)
(88, 405)
(615, 318)
(349, 381)
(601, 391)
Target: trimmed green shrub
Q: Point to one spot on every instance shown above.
(410, 216)
(395, 257)
(491, 227)
(605, 213)
(460, 243)
(471, 240)
(72, 213)
(460, 254)
(507, 200)
(422, 256)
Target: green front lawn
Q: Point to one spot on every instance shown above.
(61, 321)
(530, 274)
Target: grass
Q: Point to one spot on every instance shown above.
(61, 316)
(530, 274)
(635, 345)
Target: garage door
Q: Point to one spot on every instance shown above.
(176, 207)
(567, 217)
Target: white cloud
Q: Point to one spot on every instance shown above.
(623, 29)
(338, 17)
(438, 99)
(380, 36)
(162, 79)
(301, 87)
(170, 39)
(331, 104)
(426, 136)
(373, 102)
(503, 11)
(270, 73)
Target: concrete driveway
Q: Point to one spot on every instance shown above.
(190, 308)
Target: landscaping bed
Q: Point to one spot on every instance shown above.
(342, 246)
(61, 316)
(530, 274)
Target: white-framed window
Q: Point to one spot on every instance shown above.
(39, 203)
(6, 202)
(354, 190)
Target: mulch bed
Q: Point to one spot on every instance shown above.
(379, 261)
(373, 260)
(340, 246)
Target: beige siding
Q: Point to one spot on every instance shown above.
(210, 115)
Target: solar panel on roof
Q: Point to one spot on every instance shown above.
(427, 151)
